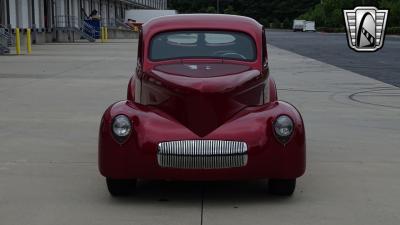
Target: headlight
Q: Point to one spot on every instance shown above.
(121, 127)
(283, 128)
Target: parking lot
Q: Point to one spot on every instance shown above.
(332, 48)
(51, 103)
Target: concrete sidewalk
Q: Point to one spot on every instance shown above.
(52, 101)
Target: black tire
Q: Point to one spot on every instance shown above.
(282, 187)
(121, 187)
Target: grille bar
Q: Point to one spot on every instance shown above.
(202, 154)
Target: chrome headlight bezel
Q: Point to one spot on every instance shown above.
(121, 128)
(283, 128)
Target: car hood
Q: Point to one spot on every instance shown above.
(202, 96)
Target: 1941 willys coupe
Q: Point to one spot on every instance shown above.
(202, 106)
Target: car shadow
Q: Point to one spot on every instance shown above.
(211, 192)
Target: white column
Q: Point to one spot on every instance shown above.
(40, 22)
(87, 7)
(103, 13)
(60, 8)
(112, 11)
(96, 6)
(13, 14)
(36, 7)
(75, 12)
(117, 12)
(60, 13)
(3, 12)
(23, 14)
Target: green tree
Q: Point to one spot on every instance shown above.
(265, 22)
(286, 23)
(261, 10)
(276, 23)
(325, 13)
(394, 11)
(230, 10)
(211, 9)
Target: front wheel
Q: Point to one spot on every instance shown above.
(283, 187)
(121, 187)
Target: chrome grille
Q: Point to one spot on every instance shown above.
(202, 154)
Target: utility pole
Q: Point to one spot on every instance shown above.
(217, 6)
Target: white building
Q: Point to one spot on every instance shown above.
(47, 16)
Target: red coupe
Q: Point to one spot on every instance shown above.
(202, 106)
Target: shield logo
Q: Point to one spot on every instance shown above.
(365, 26)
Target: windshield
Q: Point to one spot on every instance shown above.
(202, 44)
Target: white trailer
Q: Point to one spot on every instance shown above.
(309, 26)
(144, 15)
(298, 25)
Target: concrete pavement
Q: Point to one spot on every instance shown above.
(50, 108)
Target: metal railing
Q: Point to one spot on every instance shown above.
(6, 40)
(7, 34)
(120, 23)
(89, 29)
(73, 23)
(3, 43)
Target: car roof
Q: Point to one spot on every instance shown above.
(202, 21)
